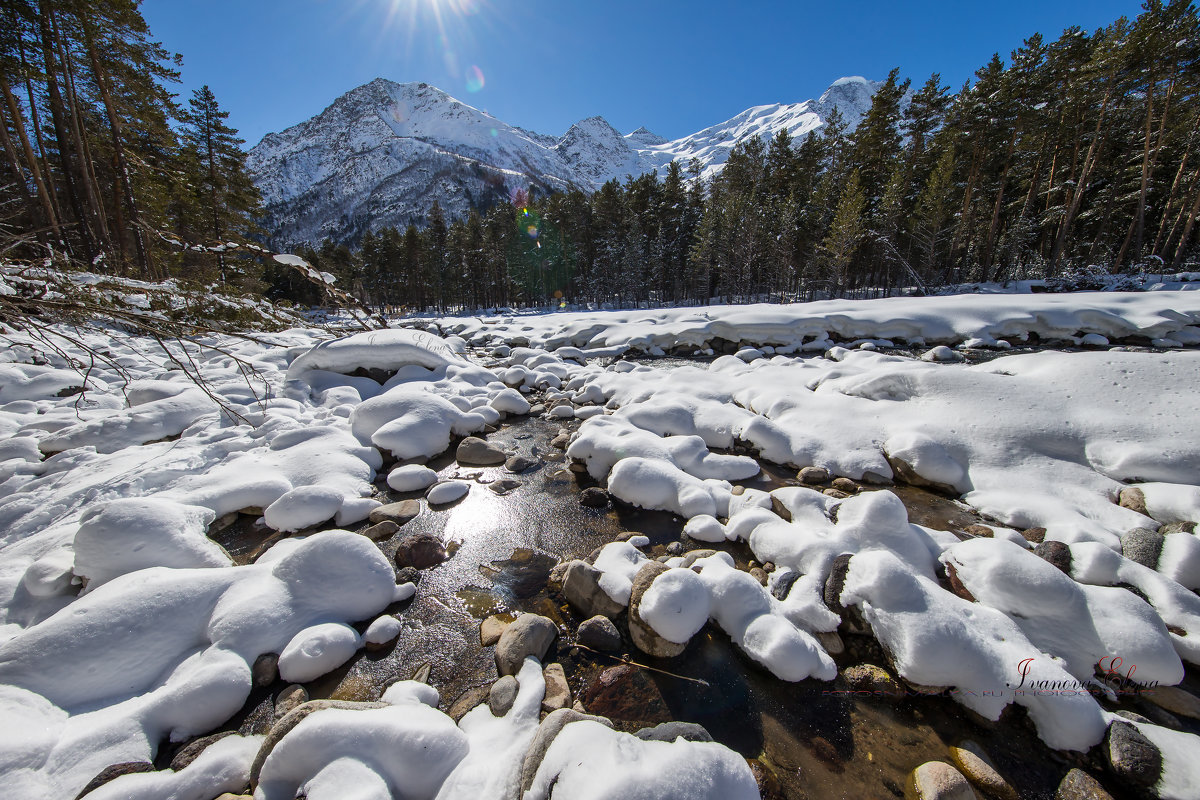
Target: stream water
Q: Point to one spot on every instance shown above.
(813, 740)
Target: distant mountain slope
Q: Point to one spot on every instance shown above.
(380, 154)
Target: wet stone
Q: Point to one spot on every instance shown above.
(644, 637)
(1177, 527)
(871, 678)
(558, 693)
(581, 585)
(517, 464)
(813, 475)
(528, 635)
(380, 531)
(288, 699)
(670, 731)
(504, 485)
(561, 441)
(524, 573)
(624, 692)
(1131, 755)
(478, 452)
(408, 575)
(421, 551)
(1078, 785)
(973, 762)
(265, 669)
(599, 633)
(467, 700)
(593, 497)
(398, 513)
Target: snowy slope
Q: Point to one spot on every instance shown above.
(381, 153)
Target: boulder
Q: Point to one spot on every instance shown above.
(544, 737)
(477, 452)
(624, 692)
(973, 762)
(1143, 546)
(421, 551)
(581, 585)
(1056, 553)
(811, 475)
(644, 637)
(398, 513)
(1078, 785)
(491, 629)
(1131, 755)
(558, 693)
(528, 635)
(599, 633)
(937, 780)
(502, 695)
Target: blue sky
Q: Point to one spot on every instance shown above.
(672, 66)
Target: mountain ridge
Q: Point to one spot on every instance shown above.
(380, 153)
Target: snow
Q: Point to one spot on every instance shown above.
(317, 650)
(676, 605)
(447, 492)
(619, 563)
(224, 766)
(303, 507)
(411, 478)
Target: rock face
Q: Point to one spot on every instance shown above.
(420, 551)
(1131, 755)
(624, 692)
(581, 585)
(528, 635)
(477, 452)
(599, 633)
(398, 513)
(936, 780)
(644, 637)
(1143, 546)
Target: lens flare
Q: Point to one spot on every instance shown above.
(532, 230)
(474, 79)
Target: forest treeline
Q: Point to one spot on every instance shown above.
(1071, 153)
(102, 165)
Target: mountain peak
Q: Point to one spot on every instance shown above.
(645, 137)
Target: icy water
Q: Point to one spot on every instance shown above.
(814, 740)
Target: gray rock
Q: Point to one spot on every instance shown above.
(558, 693)
(1134, 499)
(836, 582)
(289, 699)
(599, 633)
(783, 584)
(670, 731)
(581, 585)
(537, 409)
(293, 718)
(518, 463)
(504, 485)
(544, 737)
(1177, 527)
(759, 574)
(528, 635)
(1131, 755)
(937, 780)
(675, 549)
(1143, 546)
(380, 531)
(475, 451)
(812, 475)
(408, 575)
(467, 700)
(114, 771)
(845, 485)
(398, 513)
(265, 669)
(1175, 700)
(1078, 785)
(502, 695)
(188, 753)
(692, 556)
(644, 637)
(1056, 553)
(558, 573)
(593, 497)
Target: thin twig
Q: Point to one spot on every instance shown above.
(632, 663)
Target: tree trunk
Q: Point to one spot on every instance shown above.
(34, 169)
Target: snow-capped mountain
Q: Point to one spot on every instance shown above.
(380, 154)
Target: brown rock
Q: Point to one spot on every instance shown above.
(114, 771)
(979, 531)
(467, 700)
(624, 692)
(957, 585)
(1056, 553)
(845, 485)
(477, 452)
(380, 531)
(1175, 700)
(398, 513)
(836, 494)
(1134, 499)
(290, 698)
(528, 635)
(644, 637)
(491, 629)
(188, 753)
(759, 574)
(421, 551)
(870, 678)
(265, 669)
(973, 762)
(593, 497)
(558, 693)
(1078, 785)
(812, 475)
(1034, 535)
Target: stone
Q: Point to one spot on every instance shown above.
(937, 780)
(836, 494)
(477, 452)
(593, 497)
(491, 629)
(979, 531)
(1175, 700)
(670, 731)
(831, 641)
(188, 753)
(737, 491)
(467, 700)
(956, 585)
(1177, 527)
(284, 726)
(599, 633)
(905, 473)
(544, 737)
(769, 787)
(783, 585)
(290, 698)
(1134, 499)
(561, 441)
(581, 585)
(1056, 553)
(380, 531)
(528, 635)
(504, 485)
(644, 637)
(624, 692)
(114, 771)
(502, 695)
(1078, 785)
(836, 582)
(398, 513)
(812, 475)
(518, 463)
(420, 551)
(845, 485)
(759, 574)
(558, 693)
(265, 670)
(537, 409)
(1143, 546)
(675, 549)
(871, 678)
(973, 762)
(558, 573)
(692, 556)
(1131, 755)
(1034, 535)
(408, 575)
